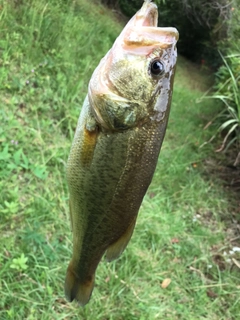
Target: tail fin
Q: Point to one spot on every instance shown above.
(79, 290)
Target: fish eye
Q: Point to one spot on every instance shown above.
(156, 67)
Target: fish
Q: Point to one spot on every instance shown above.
(116, 144)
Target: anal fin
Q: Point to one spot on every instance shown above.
(115, 249)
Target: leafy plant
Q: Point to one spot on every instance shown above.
(20, 264)
(227, 90)
(12, 160)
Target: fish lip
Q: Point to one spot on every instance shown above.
(143, 29)
(168, 32)
(147, 16)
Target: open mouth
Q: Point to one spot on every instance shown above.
(142, 29)
(147, 16)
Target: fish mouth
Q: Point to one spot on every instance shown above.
(147, 16)
(140, 37)
(142, 30)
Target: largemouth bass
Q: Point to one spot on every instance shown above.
(116, 145)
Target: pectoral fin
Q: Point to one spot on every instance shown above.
(115, 249)
(88, 146)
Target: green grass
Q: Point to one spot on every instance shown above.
(48, 52)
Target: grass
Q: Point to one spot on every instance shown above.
(48, 52)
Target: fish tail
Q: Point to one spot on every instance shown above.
(79, 290)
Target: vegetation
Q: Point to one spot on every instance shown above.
(227, 86)
(185, 230)
(227, 89)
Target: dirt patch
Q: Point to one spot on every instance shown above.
(225, 170)
(221, 169)
(229, 174)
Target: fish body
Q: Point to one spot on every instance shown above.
(116, 145)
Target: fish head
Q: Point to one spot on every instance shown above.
(133, 82)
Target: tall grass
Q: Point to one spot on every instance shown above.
(227, 90)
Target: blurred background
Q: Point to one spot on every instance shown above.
(183, 261)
